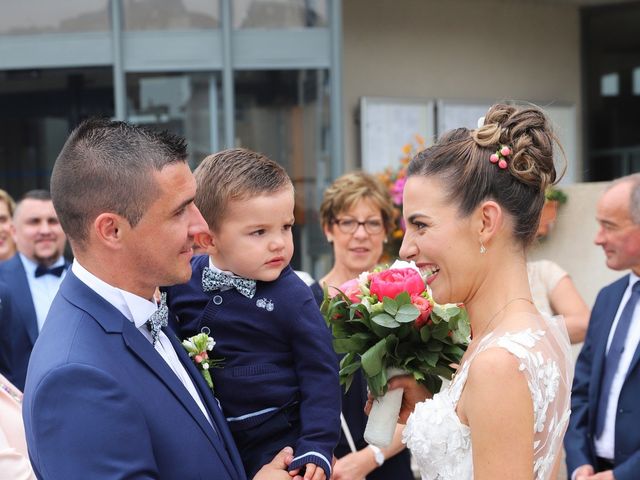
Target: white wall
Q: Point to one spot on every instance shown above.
(484, 50)
(570, 243)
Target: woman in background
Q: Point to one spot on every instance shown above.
(553, 291)
(356, 215)
(7, 245)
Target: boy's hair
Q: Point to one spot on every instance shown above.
(235, 174)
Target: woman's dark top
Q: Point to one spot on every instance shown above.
(397, 467)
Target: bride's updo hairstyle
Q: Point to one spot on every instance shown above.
(462, 160)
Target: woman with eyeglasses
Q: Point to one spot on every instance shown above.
(356, 216)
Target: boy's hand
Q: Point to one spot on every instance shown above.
(314, 472)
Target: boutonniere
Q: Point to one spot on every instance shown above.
(199, 347)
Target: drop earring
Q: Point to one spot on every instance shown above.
(483, 250)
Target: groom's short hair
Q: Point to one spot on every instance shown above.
(107, 166)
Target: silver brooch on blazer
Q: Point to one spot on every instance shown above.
(265, 303)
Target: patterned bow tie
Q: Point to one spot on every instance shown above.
(57, 271)
(159, 318)
(213, 280)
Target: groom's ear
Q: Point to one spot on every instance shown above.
(109, 229)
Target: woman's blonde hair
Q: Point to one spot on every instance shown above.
(346, 191)
(6, 198)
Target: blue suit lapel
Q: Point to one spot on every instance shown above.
(607, 313)
(113, 321)
(232, 461)
(25, 308)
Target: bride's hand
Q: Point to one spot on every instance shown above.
(414, 392)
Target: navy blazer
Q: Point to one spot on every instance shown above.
(19, 333)
(579, 439)
(277, 351)
(98, 389)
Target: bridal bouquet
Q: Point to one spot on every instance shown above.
(386, 323)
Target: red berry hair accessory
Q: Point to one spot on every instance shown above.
(501, 156)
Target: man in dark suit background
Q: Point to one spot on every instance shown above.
(603, 439)
(107, 381)
(32, 277)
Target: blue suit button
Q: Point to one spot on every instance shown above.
(621, 410)
(217, 300)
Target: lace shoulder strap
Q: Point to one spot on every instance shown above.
(520, 344)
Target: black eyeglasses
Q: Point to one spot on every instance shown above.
(350, 225)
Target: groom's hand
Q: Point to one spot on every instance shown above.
(277, 468)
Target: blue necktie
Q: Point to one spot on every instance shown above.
(213, 280)
(613, 356)
(159, 319)
(57, 271)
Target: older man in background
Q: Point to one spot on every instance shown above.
(603, 439)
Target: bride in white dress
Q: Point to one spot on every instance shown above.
(471, 205)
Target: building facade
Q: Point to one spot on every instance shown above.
(287, 77)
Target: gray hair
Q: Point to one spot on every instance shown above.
(634, 201)
(106, 166)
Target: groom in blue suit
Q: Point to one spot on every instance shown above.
(110, 391)
(603, 438)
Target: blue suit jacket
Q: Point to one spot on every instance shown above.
(98, 390)
(579, 440)
(20, 331)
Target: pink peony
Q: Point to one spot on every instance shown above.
(425, 307)
(351, 289)
(390, 283)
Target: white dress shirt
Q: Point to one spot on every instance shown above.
(605, 443)
(43, 289)
(138, 310)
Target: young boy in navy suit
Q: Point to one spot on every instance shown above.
(279, 382)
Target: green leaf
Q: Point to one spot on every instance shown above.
(404, 331)
(446, 312)
(348, 359)
(403, 298)
(390, 306)
(346, 381)
(407, 313)
(378, 383)
(351, 368)
(425, 333)
(444, 372)
(427, 357)
(454, 350)
(385, 320)
(347, 345)
(392, 343)
(372, 358)
(440, 331)
(434, 346)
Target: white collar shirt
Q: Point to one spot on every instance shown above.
(43, 289)
(605, 444)
(138, 310)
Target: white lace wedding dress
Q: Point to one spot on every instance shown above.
(441, 443)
